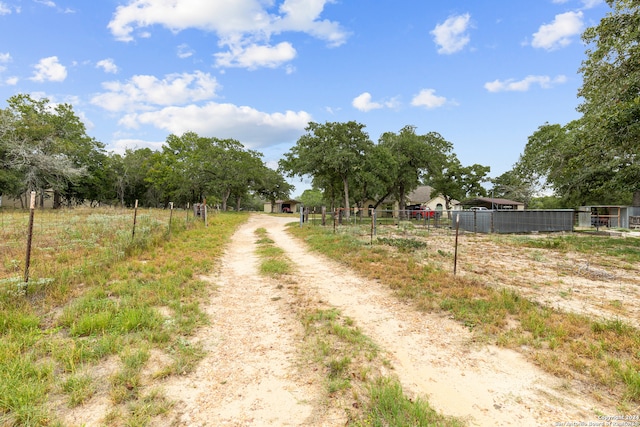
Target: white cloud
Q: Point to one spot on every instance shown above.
(303, 16)
(144, 91)
(427, 98)
(525, 84)
(49, 69)
(184, 51)
(451, 36)
(108, 66)
(255, 56)
(251, 127)
(244, 27)
(12, 81)
(4, 9)
(119, 146)
(47, 3)
(560, 32)
(364, 103)
(4, 58)
(590, 4)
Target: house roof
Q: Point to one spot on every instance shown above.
(490, 200)
(421, 194)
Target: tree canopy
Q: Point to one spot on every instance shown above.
(332, 153)
(43, 146)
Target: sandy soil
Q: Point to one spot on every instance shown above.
(602, 287)
(252, 376)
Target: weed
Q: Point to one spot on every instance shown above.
(274, 262)
(273, 267)
(79, 388)
(389, 407)
(404, 245)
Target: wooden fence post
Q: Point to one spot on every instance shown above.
(32, 208)
(455, 256)
(135, 216)
(170, 216)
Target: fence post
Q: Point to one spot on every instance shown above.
(32, 208)
(373, 224)
(301, 214)
(170, 216)
(455, 256)
(135, 216)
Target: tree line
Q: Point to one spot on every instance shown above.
(45, 147)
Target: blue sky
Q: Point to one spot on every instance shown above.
(483, 74)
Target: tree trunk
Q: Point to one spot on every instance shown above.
(636, 198)
(402, 203)
(225, 197)
(56, 200)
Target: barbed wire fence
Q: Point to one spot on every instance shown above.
(35, 242)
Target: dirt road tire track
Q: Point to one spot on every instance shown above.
(252, 374)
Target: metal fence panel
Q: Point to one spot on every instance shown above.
(516, 221)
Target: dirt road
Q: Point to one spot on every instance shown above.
(252, 375)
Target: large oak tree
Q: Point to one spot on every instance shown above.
(331, 153)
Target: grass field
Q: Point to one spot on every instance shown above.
(100, 303)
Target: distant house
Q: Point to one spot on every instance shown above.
(282, 206)
(423, 195)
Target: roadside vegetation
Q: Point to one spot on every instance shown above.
(104, 314)
(602, 354)
(351, 363)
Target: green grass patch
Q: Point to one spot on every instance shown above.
(273, 261)
(389, 407)
(403, 245)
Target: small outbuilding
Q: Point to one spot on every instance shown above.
(282, 206)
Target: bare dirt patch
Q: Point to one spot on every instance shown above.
(596, 285)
